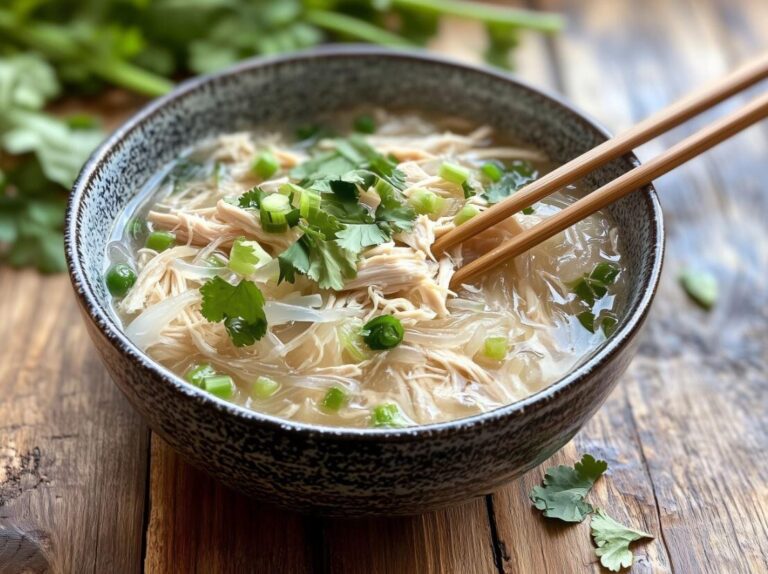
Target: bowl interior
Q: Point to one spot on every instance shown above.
(301, 87)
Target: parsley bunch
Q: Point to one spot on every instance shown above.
(562, 495)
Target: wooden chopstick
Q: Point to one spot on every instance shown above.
(675, 156)
(577, 168)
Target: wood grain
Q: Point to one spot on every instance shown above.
(695, 397)
(73, 455)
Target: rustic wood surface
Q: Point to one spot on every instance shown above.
(84, 488)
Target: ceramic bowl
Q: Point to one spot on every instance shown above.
(334, 471)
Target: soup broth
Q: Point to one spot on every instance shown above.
(289, 271)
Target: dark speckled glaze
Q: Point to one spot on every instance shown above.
(350, 472)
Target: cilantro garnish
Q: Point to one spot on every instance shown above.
(562, 494)
(518, 175)
(240, 306)
(251, 199)
(613, 540)
(357, 236)
(322, 260)
(335, 234)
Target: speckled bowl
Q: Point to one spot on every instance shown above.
(350, 472)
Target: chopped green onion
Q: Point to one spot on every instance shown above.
(700, 286)
(197, 374)
(160, 240)
(350, 336)
(247, 256)
(120, 278)
(465, 214)
(365, 124)
(608, 325)
(587, 320)
(334, 399)
(266, 165)
(136, 227)
(493, 171)
(216, 260)
(605, 273)
(495, 348)
(426, 202)
(384, 332)
(453, 173)
(264, 387)
(309, 204)
(221, 386)
(273, 211)
(387, 415)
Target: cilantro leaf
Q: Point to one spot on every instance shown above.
(251, 199)
(357, 236)
(392, 209)
(613, 540)
(564, 489)
(294, 260)
(326, 165)
(330, 264)
(240, 306)
(519, 174)
(322, 260)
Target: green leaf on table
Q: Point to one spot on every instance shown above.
(240, 306)
(563, 491)
(613, 540)
(700, 286)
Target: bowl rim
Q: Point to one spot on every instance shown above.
(109, 328)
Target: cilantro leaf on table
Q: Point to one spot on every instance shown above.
(613, 539)
(240, 306)
(563, 491)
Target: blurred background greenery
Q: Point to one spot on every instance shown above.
(53, 50)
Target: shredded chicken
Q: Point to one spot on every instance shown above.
(440, 370)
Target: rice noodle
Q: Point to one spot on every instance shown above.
(315, 342)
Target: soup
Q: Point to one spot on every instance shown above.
(289, 270)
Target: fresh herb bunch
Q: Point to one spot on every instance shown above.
(143, 46)
(140, 44)
(40, 156)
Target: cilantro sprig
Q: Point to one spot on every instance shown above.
(335, 234)
(240, 307)
(612, 540)
(562, 495)
(563, 492)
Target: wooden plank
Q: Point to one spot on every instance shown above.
(198, 525)
(72, 452)
(692, 399)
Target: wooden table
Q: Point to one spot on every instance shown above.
(85, 487)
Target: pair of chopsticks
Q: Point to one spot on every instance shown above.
(577, 168)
